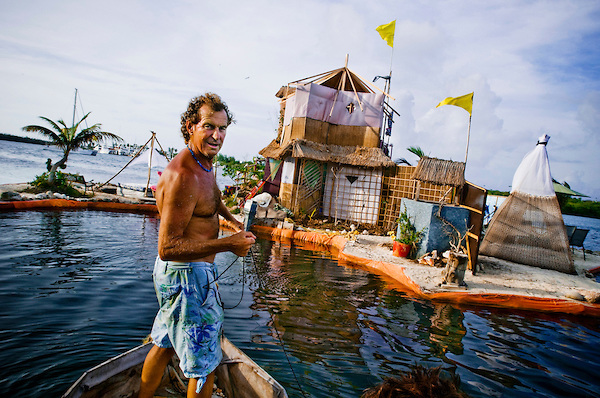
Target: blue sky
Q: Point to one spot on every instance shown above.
(533, 65)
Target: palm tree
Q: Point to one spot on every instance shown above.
(414, 150)
(67, 138)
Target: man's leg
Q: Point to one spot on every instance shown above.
(154, 367)
(207, 388)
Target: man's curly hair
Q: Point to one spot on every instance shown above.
(192, 114)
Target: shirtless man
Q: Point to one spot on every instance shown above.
(190, 318)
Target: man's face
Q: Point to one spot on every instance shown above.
(207, 136)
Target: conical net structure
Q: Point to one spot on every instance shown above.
(529, 228)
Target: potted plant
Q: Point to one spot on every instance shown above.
(407, 237)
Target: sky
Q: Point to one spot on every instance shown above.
(534, 67)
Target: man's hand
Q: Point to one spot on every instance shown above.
(241, 242)
(238, 225)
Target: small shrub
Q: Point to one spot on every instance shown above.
(60, 185)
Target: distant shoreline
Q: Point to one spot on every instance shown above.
(16, 138)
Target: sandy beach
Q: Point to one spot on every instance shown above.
(497, 276)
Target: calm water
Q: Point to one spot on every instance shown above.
(76, 289)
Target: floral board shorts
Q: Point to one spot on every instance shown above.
(190, 318)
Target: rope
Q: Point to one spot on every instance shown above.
(132, 159)
(287, 357)
(135, 157)
(251, 257)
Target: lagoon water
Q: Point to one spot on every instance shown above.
(76, 289)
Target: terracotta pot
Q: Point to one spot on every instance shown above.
(401, 249)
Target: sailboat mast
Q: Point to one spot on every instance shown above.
(74, 108)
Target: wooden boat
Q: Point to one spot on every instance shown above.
(236, 376)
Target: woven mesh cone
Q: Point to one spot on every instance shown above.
(529, 230)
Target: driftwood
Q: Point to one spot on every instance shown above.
(456, 238)
(454, 273)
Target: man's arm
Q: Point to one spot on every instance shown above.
(177, 242)
(226, 214)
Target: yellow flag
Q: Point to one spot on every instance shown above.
(464, 101)
(387, 32)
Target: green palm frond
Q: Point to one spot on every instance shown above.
(402, 161)
(67, 138)
(416, 150)
(45, 131)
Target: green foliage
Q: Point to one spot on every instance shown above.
(416, 150)
(170, 153)
(247, 173)
(68, 138)
(407, 232)
(497, 193)
(60, 184)
(578, 207)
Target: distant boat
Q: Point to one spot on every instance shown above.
(91, 152)
(236, 376)
(102, 149)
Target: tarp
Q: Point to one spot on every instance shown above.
(316, 102)
(76, 204)
(559, 188)
(158, 160)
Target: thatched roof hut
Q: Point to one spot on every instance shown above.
(347, 155)
(440, 172)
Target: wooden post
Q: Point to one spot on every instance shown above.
(150, 163)
(468, 138)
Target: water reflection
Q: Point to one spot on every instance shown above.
(345, 331)
(342, 324)
(76, 289)
(64, 257)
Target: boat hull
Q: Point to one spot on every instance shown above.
(236, 376)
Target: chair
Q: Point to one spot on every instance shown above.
(570, 230)
(578, 237)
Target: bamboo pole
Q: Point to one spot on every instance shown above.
(355, 93)
(340, 87)
(150, 162)
(468, 139)
(318, 75)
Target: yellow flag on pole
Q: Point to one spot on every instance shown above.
(386, 32)
(464, 101)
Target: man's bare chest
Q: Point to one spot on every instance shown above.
(208, 201)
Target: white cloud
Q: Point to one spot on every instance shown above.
(531, 64)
